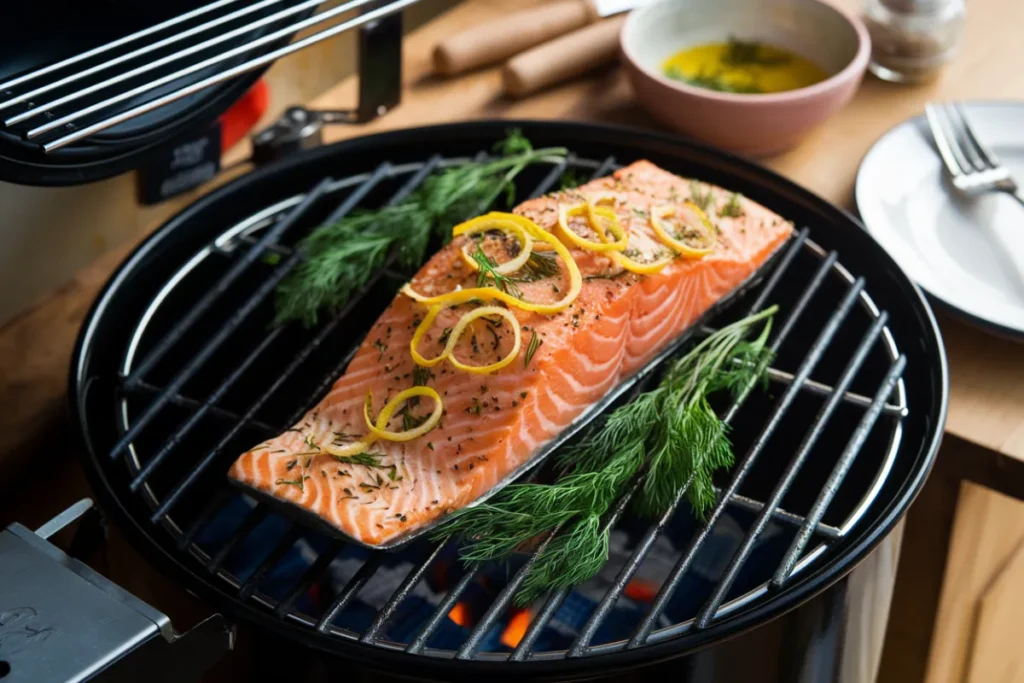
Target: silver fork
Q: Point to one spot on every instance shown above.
(973, 168)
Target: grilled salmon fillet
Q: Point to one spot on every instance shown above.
(494, 423)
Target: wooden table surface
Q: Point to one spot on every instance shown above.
(986, 416)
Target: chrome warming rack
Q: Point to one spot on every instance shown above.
(73, 99)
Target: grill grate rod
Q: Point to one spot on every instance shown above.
(312, 575)
(710, 607)
(831, 486)
(215, 292)
(113, 45)
(216, 411)
(225, 75)
(186, 427)
(217, 502)
(300, 357)
(643, 632)
(608, 600)
(403, 590)
(27, 97)
(501, 603)
(779, 515)
(252, 582)
(820, 389)
(214, 342)
(251, 521)
(251, 255)
(366, 571)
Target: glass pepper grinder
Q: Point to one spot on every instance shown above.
(913, 39)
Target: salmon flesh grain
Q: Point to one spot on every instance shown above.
(495, 424)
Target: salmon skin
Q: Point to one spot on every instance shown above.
(496, 425)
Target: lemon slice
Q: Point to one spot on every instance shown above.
(453, 338)
(592, 213)
(490, 222)
(492, 294)
(700, 219)
(380, 431)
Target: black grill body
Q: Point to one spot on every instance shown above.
(177, 371)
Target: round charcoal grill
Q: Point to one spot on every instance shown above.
(178, 370)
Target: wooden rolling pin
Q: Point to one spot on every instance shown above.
(567, 57)
(498, 40)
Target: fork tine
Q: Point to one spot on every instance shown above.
(986, 155)
(964, 138)
(943, 140)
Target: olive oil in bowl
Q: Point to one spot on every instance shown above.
(742, 67)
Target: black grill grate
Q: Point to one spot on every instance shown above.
(196, 389)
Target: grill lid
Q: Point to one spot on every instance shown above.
(176, 372)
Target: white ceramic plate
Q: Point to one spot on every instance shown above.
(959, 250)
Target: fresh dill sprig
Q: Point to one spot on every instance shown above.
(701, 198)
(489, 275)
(732, 208)
(571, 179)
(340, 258)
(669, 433)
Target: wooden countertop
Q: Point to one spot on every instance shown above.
(986, 414)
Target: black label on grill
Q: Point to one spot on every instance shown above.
(180, 167)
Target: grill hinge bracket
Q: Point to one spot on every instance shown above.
(380, 90)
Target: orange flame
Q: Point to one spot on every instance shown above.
(516, 628)
(460, 614)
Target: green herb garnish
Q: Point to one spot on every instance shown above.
(298, 483)
(732, 208)
(750, 53)
(410, 421)
(540, 265)
(365, 459)
(342, 257)
(489, 275)
(571, 179)
(701, 198)
(531, 348)
(671, 433)
(713, 81)
(421, 375)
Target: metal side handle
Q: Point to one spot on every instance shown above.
(62, 622)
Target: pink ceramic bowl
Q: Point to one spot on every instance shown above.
(754, 125)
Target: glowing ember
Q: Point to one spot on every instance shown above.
(640, 590)
(460, 614)
(516, 628)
